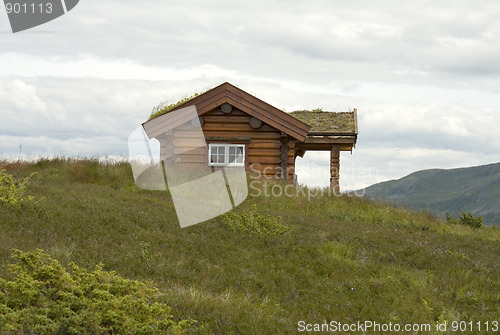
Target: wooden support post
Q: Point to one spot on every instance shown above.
(284, 156)
(335, 167)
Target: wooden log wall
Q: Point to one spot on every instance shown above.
(263, 144)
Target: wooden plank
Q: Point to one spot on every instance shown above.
(189, 132)
(264, 144)
(187, 144)
(226, 127)
(179, 159)
(197, 151)
(264, 159)
(169, 121)
(227, 119)
(263, 152)
(253, 135)
(236, 127)
(217, 112)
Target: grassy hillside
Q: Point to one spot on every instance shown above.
(475, 189)
(339, 259)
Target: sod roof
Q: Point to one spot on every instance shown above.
(322, 121)
(319, 120)
(160, 110)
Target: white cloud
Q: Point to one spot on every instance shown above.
(38, 146)
(424, 76)
(21, 95)
(92, 66)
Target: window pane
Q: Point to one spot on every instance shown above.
(224, 154)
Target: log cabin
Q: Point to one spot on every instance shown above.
(241, 130)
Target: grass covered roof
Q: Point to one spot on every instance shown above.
(319, 120)
(322, 121)
(164, 108)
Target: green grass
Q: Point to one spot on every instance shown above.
(164, 108)
(340, 258)
(323, 121)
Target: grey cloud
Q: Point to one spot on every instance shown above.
(294, 54)
(282, 38)
(81, 110)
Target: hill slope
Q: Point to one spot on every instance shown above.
(339, 259)
(475, 189)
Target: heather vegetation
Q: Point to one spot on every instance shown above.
(44, 298)
(115, 255)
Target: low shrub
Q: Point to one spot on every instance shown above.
(13, 191)
(466, 219)
(251, 221)
(44, 298)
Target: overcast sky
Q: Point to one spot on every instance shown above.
(424, 75)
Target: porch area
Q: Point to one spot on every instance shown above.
(332, 132)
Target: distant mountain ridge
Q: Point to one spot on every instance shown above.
(474, 189)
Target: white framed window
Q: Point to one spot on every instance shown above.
(226, 154)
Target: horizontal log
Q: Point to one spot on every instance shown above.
(252, 144)
(197, 151)
(266, 144)
(226, 126)
(263, 152)
(264, 159)
(259, 166)
(187, 134)
(189, 144)
(251, 134)
(226, 119)
(217, 112)
(179, 159)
